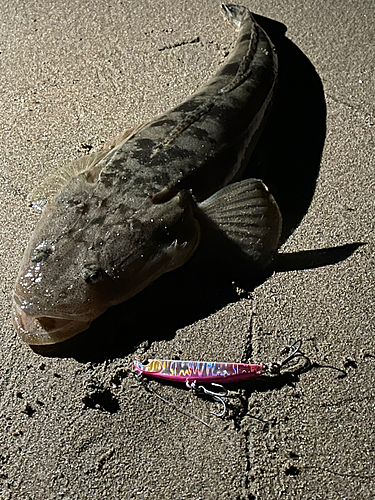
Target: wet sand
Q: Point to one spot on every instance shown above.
(75, 423)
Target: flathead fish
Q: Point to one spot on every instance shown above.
(120, 218)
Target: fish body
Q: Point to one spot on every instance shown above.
(126, 215)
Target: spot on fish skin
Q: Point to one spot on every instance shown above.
(162, 178)
(200, 133)
(74, 201)
(164, 121)
(138, 181)
(188, 106)
(177, 152)
(147, 144)
(98, 243)
(158, 157)
(29, 410)
(143, 153)
(124, 175)
(102, 203)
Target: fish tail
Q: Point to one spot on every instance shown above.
(236, 14)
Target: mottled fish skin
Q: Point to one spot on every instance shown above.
(113, 229)
(201, 144)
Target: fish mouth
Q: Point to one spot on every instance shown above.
(45, 330)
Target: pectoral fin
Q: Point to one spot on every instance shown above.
(249, 217)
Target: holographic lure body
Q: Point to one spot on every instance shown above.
(199, 371)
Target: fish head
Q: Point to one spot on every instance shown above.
(82, 259)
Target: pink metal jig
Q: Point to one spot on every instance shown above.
(205, 372)
(199, 371)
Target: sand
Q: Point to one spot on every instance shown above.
(74, 423)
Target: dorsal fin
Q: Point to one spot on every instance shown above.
(47, 190)
(85, 165)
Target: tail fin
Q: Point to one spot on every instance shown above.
(236, 14)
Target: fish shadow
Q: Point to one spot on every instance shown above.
(180, 298)
(288, 154)
(287, 159)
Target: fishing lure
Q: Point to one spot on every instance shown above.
(204, 372)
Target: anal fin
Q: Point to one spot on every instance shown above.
(248, 215)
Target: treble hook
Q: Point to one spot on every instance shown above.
(293, 350)
(216, 396)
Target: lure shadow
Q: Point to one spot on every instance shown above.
(238, 404)
(287, 158)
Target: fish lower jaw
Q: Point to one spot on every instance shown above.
(45, 330)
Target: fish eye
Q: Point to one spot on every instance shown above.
(92, 274)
